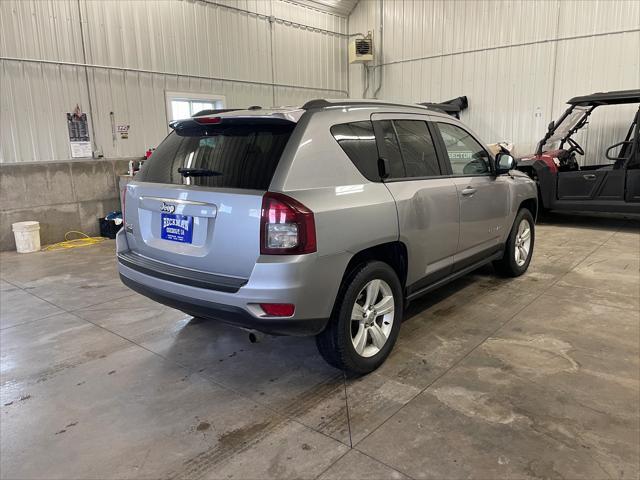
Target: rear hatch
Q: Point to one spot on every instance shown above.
(196, 202)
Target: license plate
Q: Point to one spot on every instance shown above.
(177, 228)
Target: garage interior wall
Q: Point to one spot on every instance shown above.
(189, 45)
(121, 57)
(518, 62)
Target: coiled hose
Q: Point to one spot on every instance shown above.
(84, 241)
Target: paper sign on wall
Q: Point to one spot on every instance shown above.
(80, 149)
(123, 130)
(79, 140)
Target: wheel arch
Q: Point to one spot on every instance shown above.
(392, 253)
(530, 204)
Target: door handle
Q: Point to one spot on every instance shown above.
(468, 191)
(589, 176)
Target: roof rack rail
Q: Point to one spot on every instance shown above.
(322, 103)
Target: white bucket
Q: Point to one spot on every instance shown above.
(27, 236)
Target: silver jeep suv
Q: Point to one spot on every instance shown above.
(323, 220)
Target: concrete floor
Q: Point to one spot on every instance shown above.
(536, 377)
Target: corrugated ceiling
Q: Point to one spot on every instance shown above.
(338, 7)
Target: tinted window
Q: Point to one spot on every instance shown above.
(418, 151)
(359, 143)
(389, 149)
(634, 162)
(241, 156)
(466, 155)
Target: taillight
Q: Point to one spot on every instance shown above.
(286, 226)
(208, 120)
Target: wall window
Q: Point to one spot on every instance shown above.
(184, 105)
(466, 155)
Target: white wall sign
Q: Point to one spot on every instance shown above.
(79, 140)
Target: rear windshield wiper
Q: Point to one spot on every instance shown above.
(198, 172)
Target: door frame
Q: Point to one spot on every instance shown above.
(445, 167)
(444, 265)
(478, 254)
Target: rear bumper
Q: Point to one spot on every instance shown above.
(180, 275)
(228, 314)
(310, 282)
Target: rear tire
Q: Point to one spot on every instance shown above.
(366, 320)
(519, 248)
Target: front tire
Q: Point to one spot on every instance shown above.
(366, 320)
(519, 248)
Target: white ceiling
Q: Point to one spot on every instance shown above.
(339, 7)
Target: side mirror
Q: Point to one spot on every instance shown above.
(504, 163)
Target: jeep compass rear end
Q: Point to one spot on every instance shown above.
(321, 220)
(200, 226)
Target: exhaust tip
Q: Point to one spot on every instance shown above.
(254, 335)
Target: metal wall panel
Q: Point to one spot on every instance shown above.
(180, 45)
(321, 58)
(34, 99)
(40, 29)
(606, 63)
(517, 61)
(192, 38)
(363, 19)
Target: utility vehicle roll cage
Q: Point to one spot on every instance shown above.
(587, 103)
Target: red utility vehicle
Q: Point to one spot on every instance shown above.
(563, 184)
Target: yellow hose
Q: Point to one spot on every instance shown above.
(84, 241)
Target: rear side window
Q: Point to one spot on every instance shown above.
(418, 150)
(237, 156)
(359, 143)
(390, 149)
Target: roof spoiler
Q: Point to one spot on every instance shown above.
(452, 107)
(195, 122)
(214, 111)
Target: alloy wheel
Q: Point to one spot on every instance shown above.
(372, 318)
(523, 242)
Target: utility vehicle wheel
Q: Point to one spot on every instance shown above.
(365, 321)
(519, 247)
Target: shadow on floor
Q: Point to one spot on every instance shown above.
(591, 220)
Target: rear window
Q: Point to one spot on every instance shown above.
(236, 156)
